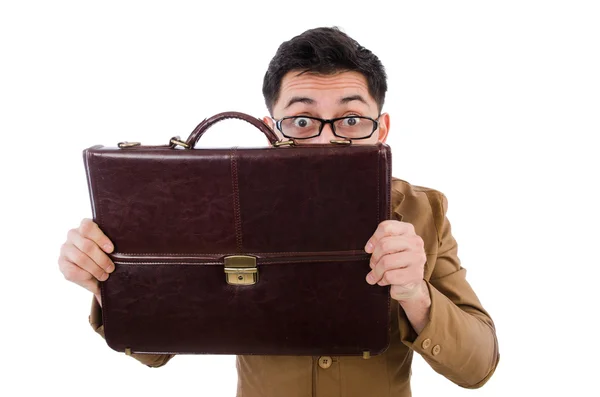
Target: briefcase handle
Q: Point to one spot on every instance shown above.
(190, 143)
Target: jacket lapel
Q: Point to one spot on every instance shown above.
(397, 199)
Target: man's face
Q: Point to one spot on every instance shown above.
(327, 97)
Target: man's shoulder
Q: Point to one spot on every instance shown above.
(423, 207)
(405, 191)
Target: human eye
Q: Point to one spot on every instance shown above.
(351, 121)
(302, 122)
(301, 127)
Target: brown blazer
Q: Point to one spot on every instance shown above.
(458, 342)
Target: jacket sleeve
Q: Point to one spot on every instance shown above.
(459, 341)
(151, 360)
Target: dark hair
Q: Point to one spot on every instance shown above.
(324, 51)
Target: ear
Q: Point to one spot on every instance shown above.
(384, 127)
(269, 121)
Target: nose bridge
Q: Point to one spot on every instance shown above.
(329, 124)
(327, 132)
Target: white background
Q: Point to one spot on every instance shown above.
(496, 104)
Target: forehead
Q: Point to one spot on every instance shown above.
(321, 87)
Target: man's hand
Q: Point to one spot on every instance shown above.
(398, 259)
(83, 258)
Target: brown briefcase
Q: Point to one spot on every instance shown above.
(241, 251)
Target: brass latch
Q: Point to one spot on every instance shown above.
(241, 270)
(123, 145)
(341, 141)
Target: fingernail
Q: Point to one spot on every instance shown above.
(107, 247)
(111, 268)
(369, 246)
(370, 278)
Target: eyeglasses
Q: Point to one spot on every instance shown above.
(305, 127)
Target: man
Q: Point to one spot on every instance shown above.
(318, 85)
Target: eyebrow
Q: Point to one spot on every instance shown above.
(300, 99)
(347, 99)
(310, 101)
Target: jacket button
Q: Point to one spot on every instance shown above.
(436, 350)
(426, 343)
(325, 362)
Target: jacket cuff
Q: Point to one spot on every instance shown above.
(425, 342)
(455, 344)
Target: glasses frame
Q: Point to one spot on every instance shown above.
(330, 122)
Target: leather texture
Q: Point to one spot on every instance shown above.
(175, 214)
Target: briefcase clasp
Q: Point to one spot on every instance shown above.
(241, 270)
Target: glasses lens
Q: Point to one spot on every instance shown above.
(354, 127)
(300, 127)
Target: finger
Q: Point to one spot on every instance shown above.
(388, 228)
(402, 276)
(393, 277)
(80, 259)
(388, 245)
(72, 272)
(75, 274)
(91, 230)
(91, 285)
(387, 263)
(99, 298)
(91, 249)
